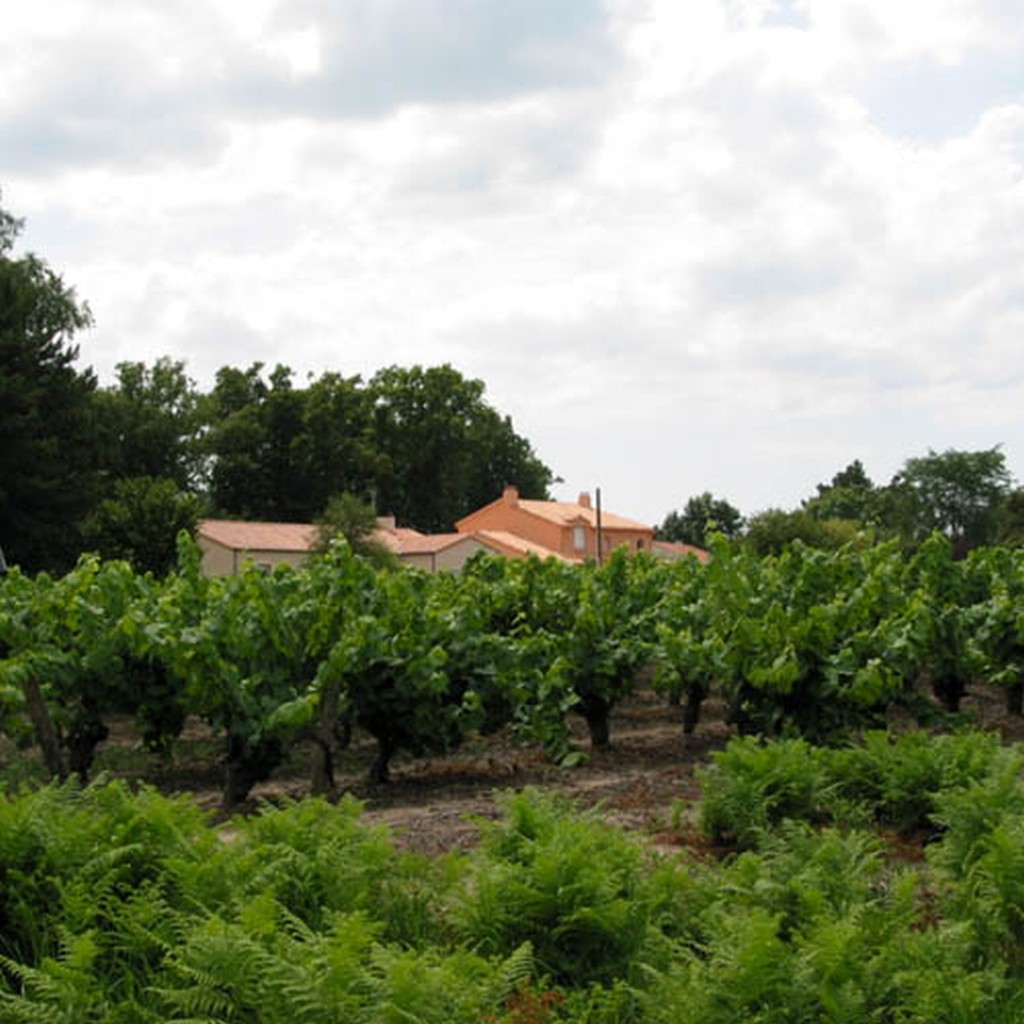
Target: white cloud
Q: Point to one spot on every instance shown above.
(688, 246)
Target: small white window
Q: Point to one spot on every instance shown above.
(579, 538)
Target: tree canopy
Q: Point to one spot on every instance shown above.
(702, 514)
(121, 468)
(958, 493)
(47, 453)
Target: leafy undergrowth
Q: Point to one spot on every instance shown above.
(120, 906)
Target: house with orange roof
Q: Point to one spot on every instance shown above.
(228, 544)
(511, 527)
(434, 552)
(566, 529)
(674, 551)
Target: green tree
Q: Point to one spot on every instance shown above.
(140, 522)
(702, 515)
(1010, 520)
(150, 424)
(354, 520)
(958, 493)
(445, 450)
(47, 450)
(851, 495)
(337, 447)
(772, 531)
(254, 443)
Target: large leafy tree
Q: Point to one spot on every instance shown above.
(139, 520)
(772, 531)
(150, 424)
(420, 444)
(47, 481)
(337, 446)
(703, 514)
(446, 451)
(957, 493)
(851, 495)
(255, 439)
(1011, 520)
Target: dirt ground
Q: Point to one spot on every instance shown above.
(431, 804)
(645, 781)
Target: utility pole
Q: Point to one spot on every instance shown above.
(600, 543)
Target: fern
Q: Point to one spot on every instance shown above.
(567, 884)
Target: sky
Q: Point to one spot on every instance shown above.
(689, 245)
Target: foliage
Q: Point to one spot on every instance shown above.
(64, 651)
(46, 430)
(850, 496)
(1010, 520)
(354, 520)
(447, 452)
(570, 887)
(121, 906)
(752, 786)
(958, 493)
(422, 444)
(770, 532)
(150, 424)
(606, 642)
(702, 515)
(140, 522)
(906, 783)
(811, 643)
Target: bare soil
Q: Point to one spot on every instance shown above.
(434, 804)
(646, 780)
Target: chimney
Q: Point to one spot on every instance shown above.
(510, 496)
(387, 523)
(584, 501)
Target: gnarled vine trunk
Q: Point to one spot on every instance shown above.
(46, 734)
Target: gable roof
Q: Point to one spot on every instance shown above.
(414, 543)
(560, 513)
(568, 513)
(397, 539)
(238, 535)
(509, 543)
(677, 549)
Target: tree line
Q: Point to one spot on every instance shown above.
(120, 469)
(969, 496)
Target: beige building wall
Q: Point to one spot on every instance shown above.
(420, 560)
(218, 560)
(453, 558)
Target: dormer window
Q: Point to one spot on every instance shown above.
(579, 538)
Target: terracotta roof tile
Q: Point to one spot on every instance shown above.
(426, 543)
(514, 543)
(396, 538)
(679, 550)
(237, 535)
(564, 513)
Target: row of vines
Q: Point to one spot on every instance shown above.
(811, 643)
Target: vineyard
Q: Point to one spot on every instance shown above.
(812, 643)
(831, 863)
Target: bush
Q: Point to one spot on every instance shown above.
(753, 785)
(569, 885)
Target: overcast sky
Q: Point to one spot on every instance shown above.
(689, 245)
